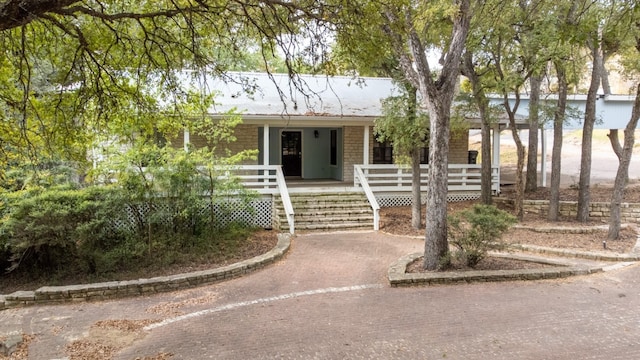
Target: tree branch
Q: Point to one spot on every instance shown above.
(15, 13)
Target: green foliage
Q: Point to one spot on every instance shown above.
(402, 124)
(49, 228)
(477, 230)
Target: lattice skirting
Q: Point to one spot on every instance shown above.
(258, 213)
(391, 200)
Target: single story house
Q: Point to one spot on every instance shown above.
(318, 132)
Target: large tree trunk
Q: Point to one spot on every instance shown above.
(556, 155)
(436, 242)
(587, 135)
(416, 203)
(534, 124)
(623, 170)
(437, 95)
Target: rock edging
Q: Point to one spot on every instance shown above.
(398, 277)
(128, 288)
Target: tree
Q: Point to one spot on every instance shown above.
(71, 69)
(556, 153)
(632, 64)
(362, 48)
(409, 25)
(566, 64)
(605, 31)
(531, 180)
(406, 127)
(473, 72)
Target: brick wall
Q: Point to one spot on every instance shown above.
(246, 139)
(353, 147)
(459, 148)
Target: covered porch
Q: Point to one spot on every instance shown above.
(381, 185)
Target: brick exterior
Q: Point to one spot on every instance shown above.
(246, 139)
(459, 148)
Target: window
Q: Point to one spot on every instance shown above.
(424, 155)
(334, 147)
(382, 152)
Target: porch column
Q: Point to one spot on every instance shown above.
(365, 148)
(186, 140)
(496, 146)
(265, 145)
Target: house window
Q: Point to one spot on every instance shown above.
(382, 152)
(334, 147)
(424, 155)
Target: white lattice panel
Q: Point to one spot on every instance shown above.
(387, 200)
(258, 213)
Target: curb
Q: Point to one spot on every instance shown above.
(129, 288)
(399, 278)
(588, 255)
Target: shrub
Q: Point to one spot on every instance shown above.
(52, 228)
(477, 230)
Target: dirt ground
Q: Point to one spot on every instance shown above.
(397, 220)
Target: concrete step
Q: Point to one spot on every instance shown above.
(332, 227)
(311, 219)
(336, 207)
(328, 212)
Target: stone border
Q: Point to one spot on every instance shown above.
(120, 289)
(398, 277)
(588, 255)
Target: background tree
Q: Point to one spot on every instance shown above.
(406, 127)
(363, 49)
(72, 69)
(631, 17)
(603, 28)
(567, 43)
(412, 27)
(474, 72)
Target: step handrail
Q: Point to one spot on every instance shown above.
(286, 200)
(362, 181)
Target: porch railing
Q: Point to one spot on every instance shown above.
(362, 180)
(267, 179)
(397, 178)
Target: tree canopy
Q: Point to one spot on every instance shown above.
(72, 69)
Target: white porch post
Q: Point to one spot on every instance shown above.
(365, 148)
(543, 163)
(187, 139)
(496, 146)
(265, 145)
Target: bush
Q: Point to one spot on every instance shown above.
(49, 229)
(477, 230)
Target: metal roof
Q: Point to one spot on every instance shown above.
(304, 95)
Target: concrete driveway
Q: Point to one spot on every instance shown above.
(329, 299)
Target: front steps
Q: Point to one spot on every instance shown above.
(329, 211)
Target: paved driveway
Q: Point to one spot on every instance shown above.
(329, 299)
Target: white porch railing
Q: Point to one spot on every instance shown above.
(396, 178)
(362, 180)
(267, 179)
